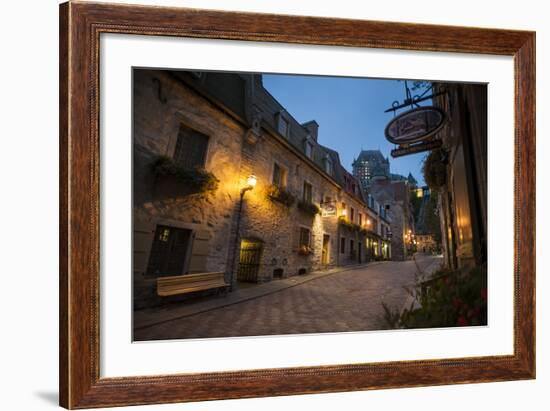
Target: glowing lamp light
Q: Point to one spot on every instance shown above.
(251, 181)
(250, 184)
(344, 212)
(368, 222)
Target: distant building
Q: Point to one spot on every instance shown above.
(426, 243)
(371, 165)
(394, 197)
(409, 179)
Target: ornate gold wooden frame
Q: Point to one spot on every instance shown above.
(80, 28)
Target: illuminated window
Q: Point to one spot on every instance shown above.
(279, 176)
(168, 251)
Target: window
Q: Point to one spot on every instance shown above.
(283, 126)
(352, 214)
(351, 246)
(328, 165)
(169, 251)
(279, 176)
(307, 193)
(191, 148)
(308, 148)
(360, 219)
(342, 245)
(305, 237)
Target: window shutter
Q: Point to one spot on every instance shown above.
(191, 148)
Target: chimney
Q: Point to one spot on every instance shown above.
(312, 127)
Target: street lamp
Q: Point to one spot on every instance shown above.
(250, 184)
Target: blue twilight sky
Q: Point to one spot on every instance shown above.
(350, 113)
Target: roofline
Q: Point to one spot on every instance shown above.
(213, 100)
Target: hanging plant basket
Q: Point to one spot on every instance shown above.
(435, 169)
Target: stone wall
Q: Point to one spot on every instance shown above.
(277, 225)
(161, 104)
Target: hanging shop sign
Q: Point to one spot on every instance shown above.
(328, 208)
(415, 125)
(416, 148)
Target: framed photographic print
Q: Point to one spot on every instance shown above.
(258, 205)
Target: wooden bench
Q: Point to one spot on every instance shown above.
(188, 283)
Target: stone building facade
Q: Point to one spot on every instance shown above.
(198, 138)
(188, 231)
(394, 196)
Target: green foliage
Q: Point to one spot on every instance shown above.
(280, 195)
(198, 180)
(308, 208)
(435, 169)
(345, 223)
(391, 316)
(448, 299)
(431, 218)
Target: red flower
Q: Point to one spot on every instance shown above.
(484, 294)
(457, 302)
(461, 321)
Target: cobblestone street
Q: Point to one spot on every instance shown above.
(344, 301)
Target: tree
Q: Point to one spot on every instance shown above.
(431, 217)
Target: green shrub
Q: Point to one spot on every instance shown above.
(345, 223)
(308, 208)
(280, 195)
(197, 180)
(448, 299)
